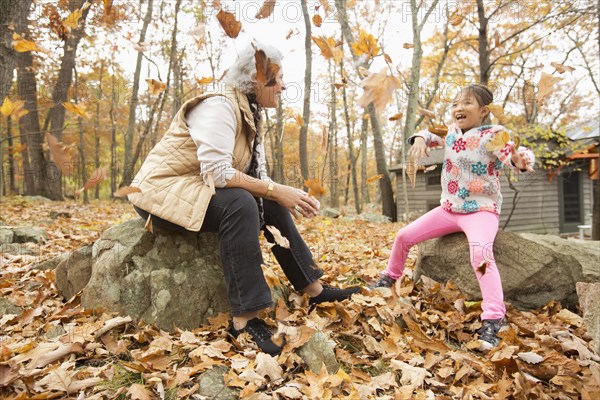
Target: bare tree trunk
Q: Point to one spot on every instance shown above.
(332, 143)
(385, 183)
(13, 12)
(96, 128)
(133, 102)
(113, 130)
(484, 53)
(307, 93)
(12, 188)
(278, 174)
(176, 67)
(364, 138)
(352, 157)
(86, 199)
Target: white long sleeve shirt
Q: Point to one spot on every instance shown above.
(212, 126)
(471, 171)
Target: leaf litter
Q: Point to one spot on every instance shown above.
(409, 342)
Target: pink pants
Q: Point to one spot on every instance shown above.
(480, 227)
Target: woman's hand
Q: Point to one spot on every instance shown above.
(296, 200)
(419, 149)
(520, 160)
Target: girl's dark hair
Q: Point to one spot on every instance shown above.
(483, 95)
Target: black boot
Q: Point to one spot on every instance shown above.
(330, 293)
(262, 336)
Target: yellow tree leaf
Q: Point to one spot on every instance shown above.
(498, 141)
(205, 80)
(155, 86)
(13, 109)
(329, 48)
(230, 25)
(374, 178)
(561, 68)
(545, 86)
(299, 120)
(266, 10)
(456, 18)
(317, 20)
(408, 45)
(78, 109)
(498, 112)
(22, 45)
(378, 89)
(59, 152)
(314, 187)
(366, 44)
(72, 20)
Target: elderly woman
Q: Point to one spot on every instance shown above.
(208, 174)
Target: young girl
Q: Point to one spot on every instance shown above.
(475, 152)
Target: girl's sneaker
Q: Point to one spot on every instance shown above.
(383, 282)
(488, 333)
(260, 333)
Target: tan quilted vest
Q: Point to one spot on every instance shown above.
(169, 179)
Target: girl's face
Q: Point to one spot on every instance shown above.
(268, 96)
(466, 111)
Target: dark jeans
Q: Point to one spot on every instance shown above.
(233, 214)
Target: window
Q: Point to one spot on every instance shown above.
(433, 180)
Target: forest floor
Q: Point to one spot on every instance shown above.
(416, 341)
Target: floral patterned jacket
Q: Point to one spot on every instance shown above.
(472, 164)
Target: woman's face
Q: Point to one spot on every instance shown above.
(466, 111)
(268, 96)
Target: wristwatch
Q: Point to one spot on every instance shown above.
(270, 189)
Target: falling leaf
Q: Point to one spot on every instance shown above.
(148, 225)
(482, 268)
(230, 25)
(299, 120)
(374, 178)
(317, 20)
(14, 110)
(125, 190)
(456, 18)
(72, 21)
(326, 6)
(395, 117)
(339, 85)
(314, 187)
(408, 45)
(329, 48)
(497, 41)
(59, 152)
(387, 58)
(426, 113)
(365, 45)
(561, 68)
(281, 240)
(22, 45)
(205, 80)
(430, 168)
(498, 112)
(141, 47)
(411, 170)
(545, 86)
(291, 33)
(498, 142)
(266, 10)
(97, 176)
(378, 89)
(363, 72)
(78, 109)
(155, 86)
(437, 129)
(266, 71)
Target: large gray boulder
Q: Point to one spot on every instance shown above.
(167, 279)
(589, 304)
(533, 272)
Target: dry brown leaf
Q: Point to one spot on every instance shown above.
(545, 87)
(395, 117)
(420, 339)
(59, 152)
(561, 68)
(379, 89)
(456, 18)
(339, 85)
(498, 112)
(155, 86)
(291, 33)
(266, 71)
(314, 187)
(408, 45)
(374, 178)
(438, 129)
(299, 120)
(125, 190)
(498, 142)
(78, 109)
(387, 58)
(266, 365)
(266, 10)
(317, 20)
(148, 226)
(139, 392)
(112, 324)
(97, 176)
(230, 25)
(51, 356)
(426, 113)
(497, 41)
(279, 238)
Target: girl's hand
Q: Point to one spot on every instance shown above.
(419, 149)
(520, 160)
(296, 200)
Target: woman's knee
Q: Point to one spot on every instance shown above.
(242, 201)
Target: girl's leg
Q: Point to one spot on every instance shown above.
(435, 223)
(481, 228)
